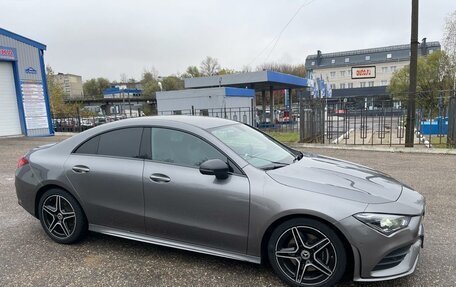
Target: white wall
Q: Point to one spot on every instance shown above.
(213, 100)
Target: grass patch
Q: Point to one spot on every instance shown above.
(285, 137)
(438, 142)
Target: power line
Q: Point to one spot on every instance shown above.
(276, 39)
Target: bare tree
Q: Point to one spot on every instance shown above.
(297, 70)
(209, 66)
(123, 78)
(449, 44)
(192, 72)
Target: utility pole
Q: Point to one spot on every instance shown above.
(411, 108)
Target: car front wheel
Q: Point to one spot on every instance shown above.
(62, 217)
(307, 252)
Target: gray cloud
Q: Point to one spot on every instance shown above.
(107, 38)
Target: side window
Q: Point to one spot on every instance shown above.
(122, 142)
(181, 148)
(90, 146)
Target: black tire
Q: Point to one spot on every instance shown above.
(62, 217)
(322, 265)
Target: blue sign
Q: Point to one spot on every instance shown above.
(30, 70)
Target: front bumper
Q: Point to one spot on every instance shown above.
(378, 257)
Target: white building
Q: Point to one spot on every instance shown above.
(224, 102)
(365, 72)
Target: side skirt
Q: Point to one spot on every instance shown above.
(172, 243)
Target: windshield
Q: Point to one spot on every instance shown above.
(255, 147)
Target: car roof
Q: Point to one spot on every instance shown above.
(197, 121)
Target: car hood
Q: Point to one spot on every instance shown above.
(338, 178)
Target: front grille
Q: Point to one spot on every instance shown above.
(392, 259)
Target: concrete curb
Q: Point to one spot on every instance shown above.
(378, 149)
(65, 134)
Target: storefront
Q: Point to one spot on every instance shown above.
(24, 108)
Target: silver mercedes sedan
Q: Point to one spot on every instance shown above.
(223, 188)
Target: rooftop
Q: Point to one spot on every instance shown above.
(368, 56)
(258, 81)
(22, 39)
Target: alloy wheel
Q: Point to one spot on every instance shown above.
(306, 255)
(58, 216)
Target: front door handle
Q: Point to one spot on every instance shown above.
(80, 169)
(158, 177)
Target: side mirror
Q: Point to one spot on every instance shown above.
(216, 167)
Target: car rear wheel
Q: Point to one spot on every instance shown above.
(62, 217)
(306, 252)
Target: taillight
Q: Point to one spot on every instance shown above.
(22, 161)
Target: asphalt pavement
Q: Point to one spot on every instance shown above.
(29, 258)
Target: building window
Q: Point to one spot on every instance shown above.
(342, 86)
(384, 83)
(371, 83)
(384, 70)
(368, 58)
(342, 73)
(313, 63)
(333, 74)
(350, 85)
(362, 84)
(349, 73)
(333, 86)
(393, 69)
(347, 60)
(430, 51)
(389, 56)
(333, 61)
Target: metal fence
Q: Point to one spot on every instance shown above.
(79, 122)
(383, 124)
(353, 121)
(362, 121)
(245, 115)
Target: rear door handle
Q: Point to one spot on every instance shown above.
(158, 177)
(80, 169)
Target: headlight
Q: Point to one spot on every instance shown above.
(384, 223)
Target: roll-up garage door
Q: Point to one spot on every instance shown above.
(9, 113)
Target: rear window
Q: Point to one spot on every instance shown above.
(118, 143)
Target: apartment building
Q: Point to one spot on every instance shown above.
(71, 85)
(365, 72)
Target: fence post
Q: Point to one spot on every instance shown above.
(301, 117)
(79, 119)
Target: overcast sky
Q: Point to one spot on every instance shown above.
(107, 38)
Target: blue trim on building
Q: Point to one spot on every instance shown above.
(17, 86)
(236, 92)
(286, 79)
(112, 91)
(45, 90)
(20, 103)
(22, 39)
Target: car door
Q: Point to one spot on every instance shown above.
(184, 205)
(106, 172)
